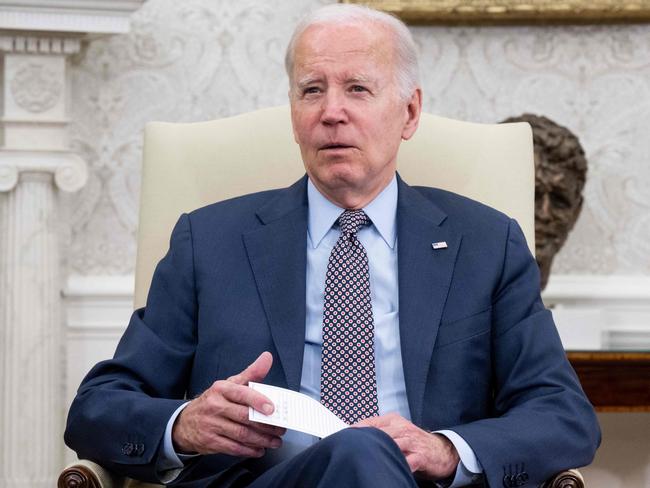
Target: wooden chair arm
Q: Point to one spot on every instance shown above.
(566, 479)
(86, 474)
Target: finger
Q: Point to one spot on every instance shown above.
(244, 396)
(240, 413)
(269, 429)
(377, 422)
(404, 444)
(247, 435)
(256, 371)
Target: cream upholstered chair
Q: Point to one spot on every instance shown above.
(190, 165)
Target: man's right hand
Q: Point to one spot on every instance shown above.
(217, 421)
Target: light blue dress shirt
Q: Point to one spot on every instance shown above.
(380, 242)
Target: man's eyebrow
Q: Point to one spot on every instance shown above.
(307, 80)
(359, 79)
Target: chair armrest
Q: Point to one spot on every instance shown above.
(566, 479)
(86, 474)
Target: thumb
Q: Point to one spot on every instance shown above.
(256, 371)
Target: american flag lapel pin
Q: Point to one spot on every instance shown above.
(439, 245)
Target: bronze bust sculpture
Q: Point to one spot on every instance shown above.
(560, 173)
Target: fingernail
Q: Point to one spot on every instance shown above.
(267, 409)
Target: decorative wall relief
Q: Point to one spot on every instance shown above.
(36, 88)
(203, 59)
(560, 174)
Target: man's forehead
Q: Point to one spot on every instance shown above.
(342, 40)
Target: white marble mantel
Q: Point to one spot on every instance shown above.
(37, 39)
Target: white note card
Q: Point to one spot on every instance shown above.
(296, 411)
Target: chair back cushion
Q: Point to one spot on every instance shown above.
(187, 166)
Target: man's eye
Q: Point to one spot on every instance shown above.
(310, 90)
(358, 88)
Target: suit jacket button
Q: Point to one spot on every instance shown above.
(140, 449)
(521, 478)
(127, 449)
(508, 481)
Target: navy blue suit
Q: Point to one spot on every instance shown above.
(481, 355)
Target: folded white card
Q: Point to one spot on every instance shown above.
(296, 411)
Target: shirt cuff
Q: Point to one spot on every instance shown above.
(171, 464)
(469, 470)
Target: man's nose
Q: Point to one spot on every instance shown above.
(334, 109)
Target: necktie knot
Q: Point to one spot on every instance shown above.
(351, 221)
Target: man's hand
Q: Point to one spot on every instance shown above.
(217, 421)
(430, 456)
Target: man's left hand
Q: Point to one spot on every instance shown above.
(430, 456)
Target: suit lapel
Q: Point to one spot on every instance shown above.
(278, 255)
(424, 280)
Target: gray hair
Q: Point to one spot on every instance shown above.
(407, 70)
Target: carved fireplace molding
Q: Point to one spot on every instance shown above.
(36, 40)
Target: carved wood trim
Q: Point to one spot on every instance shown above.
(614, 381)
(78, 477)
(566, 479)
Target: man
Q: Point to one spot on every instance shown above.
(354, 288)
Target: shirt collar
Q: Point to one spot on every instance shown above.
(382, 211)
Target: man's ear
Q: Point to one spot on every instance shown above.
(414, 109)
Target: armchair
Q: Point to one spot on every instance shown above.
(190, 165)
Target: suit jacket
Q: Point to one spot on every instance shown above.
(481, 354)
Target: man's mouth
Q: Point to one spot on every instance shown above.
(335, 146)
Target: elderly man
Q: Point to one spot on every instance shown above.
(442, 358)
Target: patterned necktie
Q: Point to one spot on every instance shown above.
(348, 384)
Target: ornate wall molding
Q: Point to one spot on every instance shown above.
(601, 312)
(69, 170)
(589, 289)
(87, 16)
(39, 44)
(35, 87)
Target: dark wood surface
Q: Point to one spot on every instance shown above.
(78, 477)
(566, 479)
(614, 381)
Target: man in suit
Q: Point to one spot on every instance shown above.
(412, 313)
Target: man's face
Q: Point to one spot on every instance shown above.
(348, 117)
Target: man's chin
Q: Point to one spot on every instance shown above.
(337, 181)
